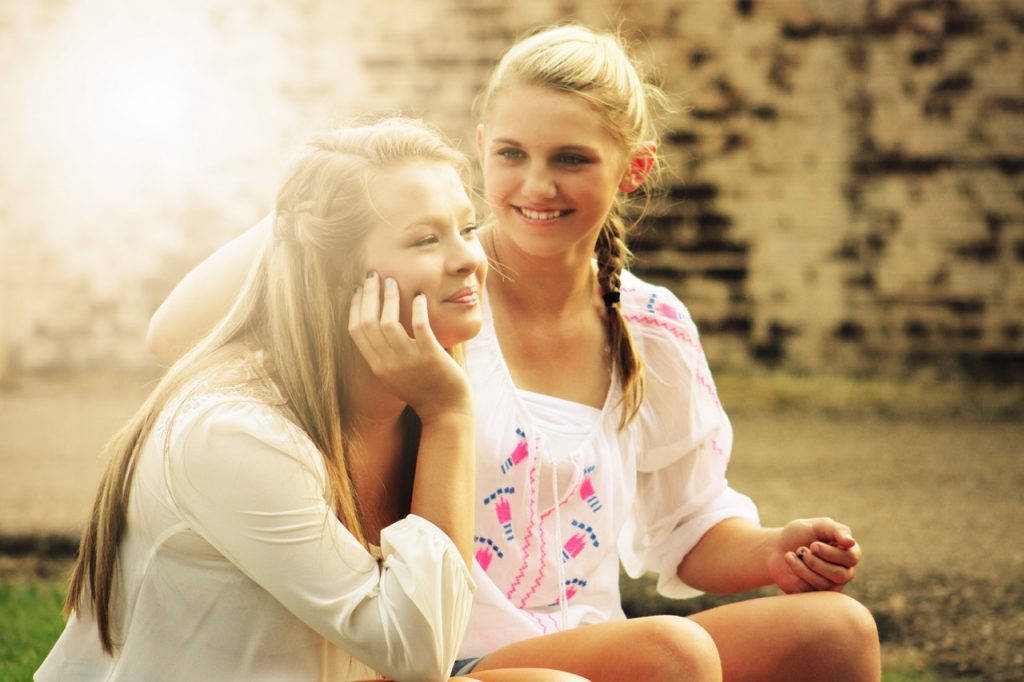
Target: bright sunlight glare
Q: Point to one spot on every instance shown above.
(120, 103)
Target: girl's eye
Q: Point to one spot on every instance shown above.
(425, 241)
(470, 230)
(571, 160)
(511, 154)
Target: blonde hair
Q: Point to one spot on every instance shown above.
(293, 307)
(598, 68)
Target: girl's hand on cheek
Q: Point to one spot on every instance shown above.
(417, 369)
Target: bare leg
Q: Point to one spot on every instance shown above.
(650, 649)
(513, 675)
(522, 675)
(810, 636)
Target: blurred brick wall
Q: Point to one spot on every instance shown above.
(846, 190)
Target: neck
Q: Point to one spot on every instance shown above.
(539, 286)
(372, 407)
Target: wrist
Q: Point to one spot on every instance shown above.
(769, 548)
(453, 415)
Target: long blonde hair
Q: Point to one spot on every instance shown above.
(596, 67)
(293, 307)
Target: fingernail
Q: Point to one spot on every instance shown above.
(389, 282)
(356, 290)
(418, 293)
(370, 274)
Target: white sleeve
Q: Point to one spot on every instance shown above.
(684, 447)
(252, 485)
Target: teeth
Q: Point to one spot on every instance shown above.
(540, 215)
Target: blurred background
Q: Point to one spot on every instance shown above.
(844, 217)
(846, 188)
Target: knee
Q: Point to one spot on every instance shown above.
(846, 619)
(674, 648)
(843, 629)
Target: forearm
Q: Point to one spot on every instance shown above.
(205, 295)
(445, 474)
(731, 557)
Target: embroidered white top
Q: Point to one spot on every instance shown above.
(234, 567)
(645, 495)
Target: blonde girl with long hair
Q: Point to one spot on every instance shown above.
(294, 499)
(601, 440)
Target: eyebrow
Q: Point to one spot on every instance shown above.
(432, 220)
(564, 148)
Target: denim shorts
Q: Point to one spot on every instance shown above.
(464, 666)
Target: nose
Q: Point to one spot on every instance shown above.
(539, 184)
(466, 256)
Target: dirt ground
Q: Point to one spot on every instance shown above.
(934, 499)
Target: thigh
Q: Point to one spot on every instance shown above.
(808, 636)
(521, 675)
(652, 648)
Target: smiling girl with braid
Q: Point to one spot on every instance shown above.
(600, 438)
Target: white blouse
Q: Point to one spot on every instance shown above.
(234, 567)
(556, 515)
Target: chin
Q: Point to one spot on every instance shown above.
(456, 334)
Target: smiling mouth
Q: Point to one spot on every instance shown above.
(540, 215)
(466, 296)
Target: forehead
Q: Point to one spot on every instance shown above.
(533, 114)
(418, 191)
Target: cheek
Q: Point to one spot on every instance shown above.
(496, 180)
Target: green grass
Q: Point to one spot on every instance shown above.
(30, 622)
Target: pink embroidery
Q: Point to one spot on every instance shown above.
(543, 539)
(483, 557)
(570, 590)
(576, 543)
(518, 455)
(486, 554)
(587, 490)
(573, 547)
(588, 530)
(532, 502)
(718, 448)
(687, 339)
(665, 310)
(504, 510)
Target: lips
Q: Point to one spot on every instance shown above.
(465, 296)
(541, 215)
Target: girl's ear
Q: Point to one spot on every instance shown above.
(480, 142)
(639, 167)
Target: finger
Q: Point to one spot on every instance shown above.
(835, 573)
(353, 309)
(421, 330)
(371, 297)
(391, 327)
(357, 330)
(837, 555)
(832, 531)
(367, 320)
(795, 582)
(799, 564)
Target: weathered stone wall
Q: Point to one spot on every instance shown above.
(846, 190)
